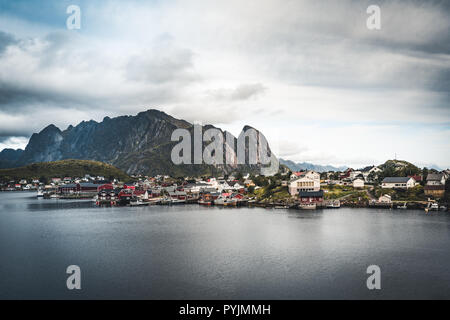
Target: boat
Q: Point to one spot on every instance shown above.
(205, 202)
(334, 204)
(402, 207)
(40, 193)
(434, 206)
(151, 201)
(138, 202)
(178, 201)
(443, 208)
(165, 201)
(54, 196)
(225, 201)
(281, 207)
(307, 206)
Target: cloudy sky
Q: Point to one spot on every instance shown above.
(310, 75)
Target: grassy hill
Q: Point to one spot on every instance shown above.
(399, 168)
(63, 168)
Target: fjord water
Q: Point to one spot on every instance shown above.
(191, 252)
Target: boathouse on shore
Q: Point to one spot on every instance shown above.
(310, 197)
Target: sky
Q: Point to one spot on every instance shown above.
(310, 75)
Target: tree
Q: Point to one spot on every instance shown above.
(335, 176)
(43, 179)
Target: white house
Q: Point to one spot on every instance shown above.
(312, 175)
(435, 179)
(358, 183)
(296, 175)
(237, 186)
(303, 184)
(249, 182)
(385, 198)
(398, 182)
(354, 174)
(373, 170)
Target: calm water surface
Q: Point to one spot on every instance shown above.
(191, 252)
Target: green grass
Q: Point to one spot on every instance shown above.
(61, 169)
(336, 191)
(272, 193)
(412, 194)
(358, 197)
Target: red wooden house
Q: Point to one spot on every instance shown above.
(309, 197)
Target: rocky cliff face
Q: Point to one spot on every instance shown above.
(8, 157)
(138, 144)
(43, 146)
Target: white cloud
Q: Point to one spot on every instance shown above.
(308, 74)
(14, 143)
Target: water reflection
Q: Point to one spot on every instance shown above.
(43, 204)
(193, 252)
(305, 214)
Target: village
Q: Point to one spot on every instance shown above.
(305, 190)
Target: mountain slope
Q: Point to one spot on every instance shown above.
(64, 168)
(138, 144)
(8, 157)
(309, 166)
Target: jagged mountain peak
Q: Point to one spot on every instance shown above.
(139, 144)
(51, 128)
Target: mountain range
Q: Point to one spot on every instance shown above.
(139, 144)
(301, 166)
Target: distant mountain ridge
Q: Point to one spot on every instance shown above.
(8, 157)
(139, 144)
(301, 166)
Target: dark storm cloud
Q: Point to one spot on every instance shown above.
(6, 40)
(15, 98)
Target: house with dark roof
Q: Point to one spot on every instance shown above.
(78, 188)
(310, 197)
(398, 182)
(435, 185)
(435, 179)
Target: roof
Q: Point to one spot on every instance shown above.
(396, 179)
(434, 187)
(82, 185)
(311, 193)
(88, 185)
(434, 176)
(302, 178)
(70, 185)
